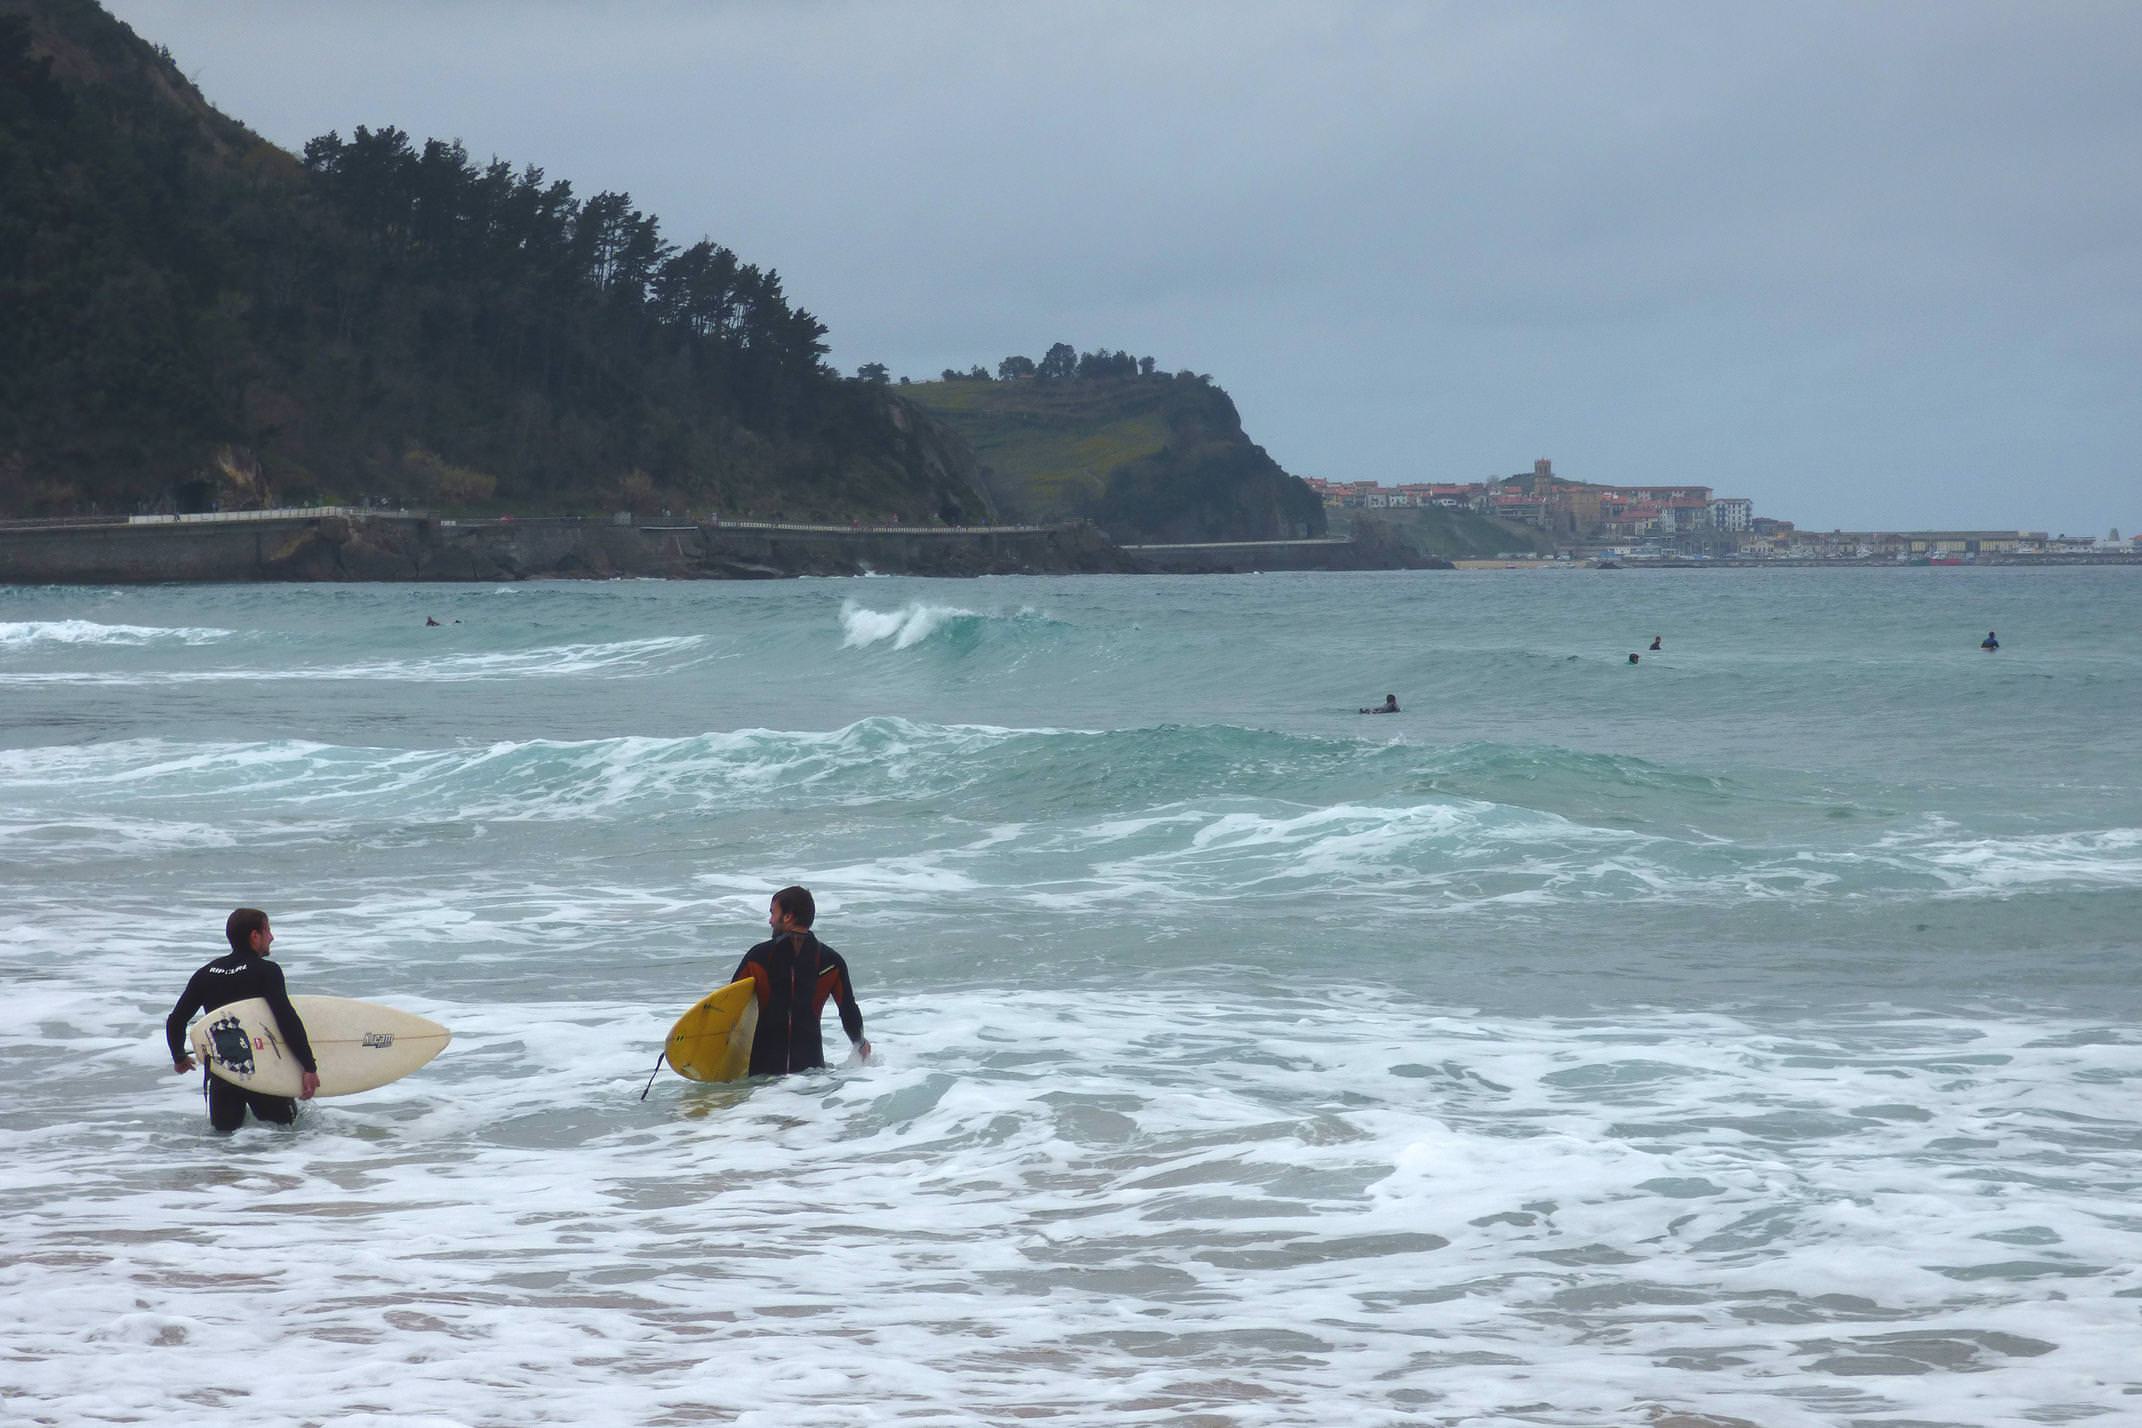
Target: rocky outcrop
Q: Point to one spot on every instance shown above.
(1147, 458)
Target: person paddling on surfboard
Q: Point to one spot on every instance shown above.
(245, 973)
(1389, 706)
(795, 973)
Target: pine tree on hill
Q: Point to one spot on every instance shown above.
(186, 300)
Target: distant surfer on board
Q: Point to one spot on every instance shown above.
(1389, 706)
(246, 972)
(795, 973)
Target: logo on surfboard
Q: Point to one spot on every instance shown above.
(232, 1045)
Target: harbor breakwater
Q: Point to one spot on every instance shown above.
(354, 545)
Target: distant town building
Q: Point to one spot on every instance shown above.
(1732, 513)
(1652, 520)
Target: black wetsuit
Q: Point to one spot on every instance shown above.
(796, 973)
(236, 978)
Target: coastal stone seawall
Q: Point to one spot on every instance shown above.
(1243, 557)
(401, 547)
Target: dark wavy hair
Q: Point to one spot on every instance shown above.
(240, 926)
(798, 903)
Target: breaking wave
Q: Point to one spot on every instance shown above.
(1059, 818)
(18, 635)
(919, 622)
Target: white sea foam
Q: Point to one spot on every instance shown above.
(905, 627)
(506, 779)
(1436, 853)
(20, 635)
(63, 835)
(1098, 1210)
(615, 658)
(2107, 857)
(158, 766)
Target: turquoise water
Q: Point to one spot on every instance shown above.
(1749, 1032)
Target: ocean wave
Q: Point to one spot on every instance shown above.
(539, 779)
(109, 835)
(1049, 818)
(1549, 766)
(919, 622)
(2109, 857)
(1008, 773)
(1023, 772)
(623, 658)
(19, 635)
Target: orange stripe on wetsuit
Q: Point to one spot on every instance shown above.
(788, 1038)
(830, 982)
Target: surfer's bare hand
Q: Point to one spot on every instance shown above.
(182, 1065)
(307, 1086)
(862, 1051)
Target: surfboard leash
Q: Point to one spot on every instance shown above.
(650, 1075)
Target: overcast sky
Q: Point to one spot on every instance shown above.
(1870, 265)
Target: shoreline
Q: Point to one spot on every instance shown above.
(2038, 562)
(346, 545)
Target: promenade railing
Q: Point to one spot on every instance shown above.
(712, 523)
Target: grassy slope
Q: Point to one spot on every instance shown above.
(1157, 458)
(1052, 445)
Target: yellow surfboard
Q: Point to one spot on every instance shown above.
(712, 1041)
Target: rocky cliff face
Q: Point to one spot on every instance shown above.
(932, 473)
(1210, 482)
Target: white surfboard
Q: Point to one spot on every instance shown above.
(357, 1045)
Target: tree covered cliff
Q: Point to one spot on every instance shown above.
(1147, 455)
(191, 315)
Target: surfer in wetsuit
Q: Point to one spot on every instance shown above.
(245, 973)
(1991, 642)
(1655, 643)
(795, 973)
(1389, 706)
